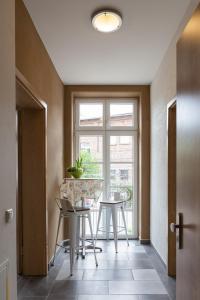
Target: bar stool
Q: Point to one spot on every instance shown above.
(74, 214)
(115, 203)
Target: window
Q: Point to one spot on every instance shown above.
(125, 140)
(113, 141)
(91, 114)
(121, 114)
(112, 174)
(106, 138)
(124, 174)
(85, 146)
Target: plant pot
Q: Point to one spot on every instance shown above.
(76, 173)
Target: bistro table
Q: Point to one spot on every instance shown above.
(82, 192)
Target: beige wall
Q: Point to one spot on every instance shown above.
(163, 89)
(7, 139)
(33, 62)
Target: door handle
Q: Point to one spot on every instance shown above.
(174, 227)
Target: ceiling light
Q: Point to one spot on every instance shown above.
(106, 20)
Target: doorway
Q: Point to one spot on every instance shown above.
(31, 175)
(171, 125)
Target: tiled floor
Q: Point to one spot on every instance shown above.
(135, 273)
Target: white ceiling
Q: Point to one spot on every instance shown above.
(82, 55)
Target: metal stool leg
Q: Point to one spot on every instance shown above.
(124, 220)
(54, 256)
(98, 222)
(78, 236)
(92, 237)
(83, 236)
(73, 230)
(114, 219)
(108, 218)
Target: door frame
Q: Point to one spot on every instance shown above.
(32, 111)
(171, 165)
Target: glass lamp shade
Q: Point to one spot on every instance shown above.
(106, 21)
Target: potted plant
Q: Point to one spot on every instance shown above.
(77, 170)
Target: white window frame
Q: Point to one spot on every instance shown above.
(106, 131)
(134, 163)
(122, 101)
(79, 101)
(91, 133)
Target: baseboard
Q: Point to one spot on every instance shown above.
(160, 258)
(145, 242)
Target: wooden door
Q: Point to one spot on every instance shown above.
(171, 118)
(188, 159)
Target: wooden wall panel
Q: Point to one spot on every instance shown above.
(33, 61)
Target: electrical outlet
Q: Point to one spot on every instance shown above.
(9, 215)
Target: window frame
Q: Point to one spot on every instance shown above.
(79, 101)
(106, 131)
(106, 113)
(91, 133)
(122, 101)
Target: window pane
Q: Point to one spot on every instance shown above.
(113, 140)
(93, 170)
(91, 114)
(121, 178)
(122, 149)
(91, 148)
(125, 140)
(121, 175)
(121, 115)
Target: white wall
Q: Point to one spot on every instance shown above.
(7, 138)
(163, 89)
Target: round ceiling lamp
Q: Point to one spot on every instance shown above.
(107, 20)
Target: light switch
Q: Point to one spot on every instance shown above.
(9, 215)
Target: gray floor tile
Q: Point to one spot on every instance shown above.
(138, 249)
(36, 287)
(145, 274)
(108, 275)
(72, 288)
(64, 273)
(141, 264)
(123, 248)
(31, 298)
(83, 264)
(136, 287)
(108, 297)
(127, 264)
(114, 264)
(21, 281)
(57, 297)
(154, 297)
(117, 256)
(137, 255)
(115, 267)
